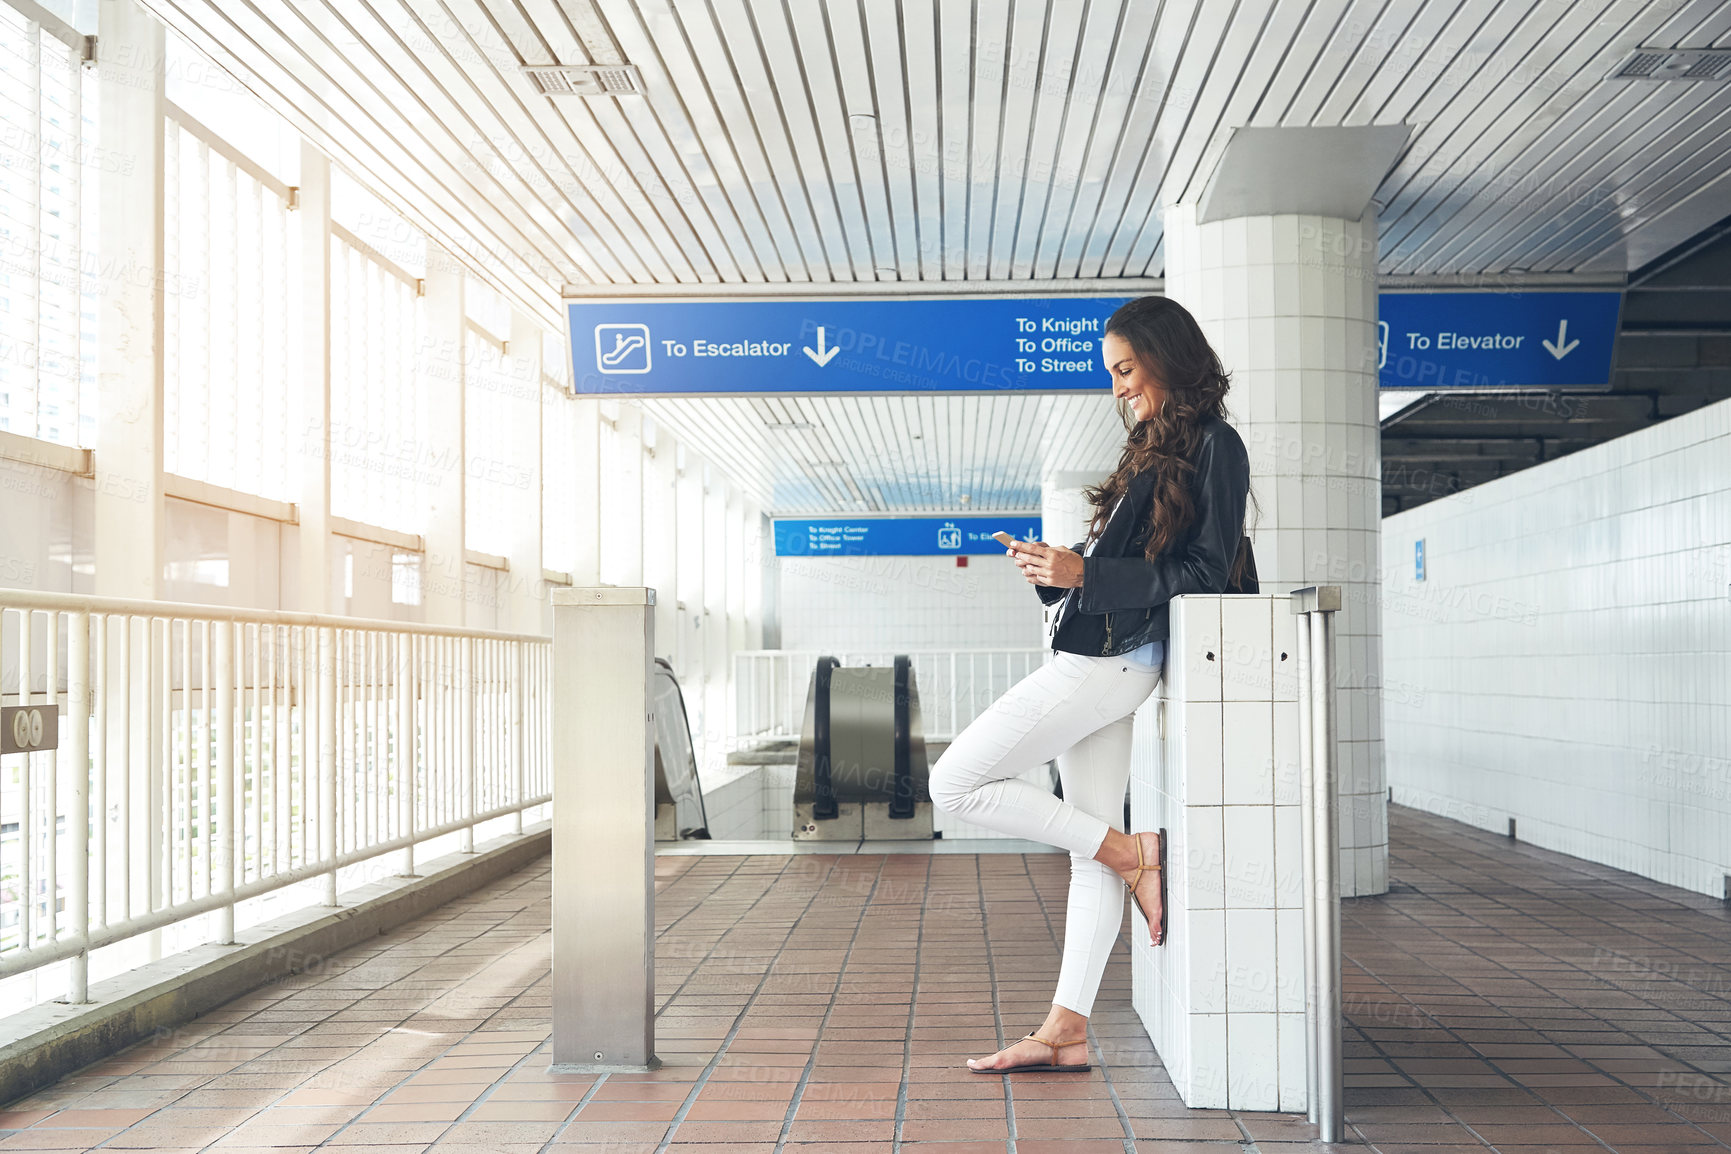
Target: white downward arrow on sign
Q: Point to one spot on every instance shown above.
(1561, 349)
(822, 355)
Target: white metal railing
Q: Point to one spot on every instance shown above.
(955, 685)
(208, 756)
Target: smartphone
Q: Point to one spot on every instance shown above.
(1004, 538)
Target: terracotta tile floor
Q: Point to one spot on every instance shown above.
(1500, 997)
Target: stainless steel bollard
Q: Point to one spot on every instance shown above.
(1320, 814)
(603, 835)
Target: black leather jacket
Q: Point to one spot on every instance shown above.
(1121, 603)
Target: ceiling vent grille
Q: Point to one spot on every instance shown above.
(585, 79)
(1676, 64)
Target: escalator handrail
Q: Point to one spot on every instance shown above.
(823, 806)
(685, 719)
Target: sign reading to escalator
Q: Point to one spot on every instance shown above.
(897, 536)
(1485, 340)
(733, 348)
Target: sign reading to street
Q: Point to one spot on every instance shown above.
(28, 728)
(1437, 340)
(897, 536)
(1483, 340)
(946, 345)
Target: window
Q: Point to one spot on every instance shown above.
(377, 225)
(378, 431)
(499, 474)
(559, 465)
(229, 271)
(49, 174)
(209, 94)
(487, 308)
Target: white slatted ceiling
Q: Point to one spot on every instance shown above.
(814, 143)
(845, 140)
(902, 453)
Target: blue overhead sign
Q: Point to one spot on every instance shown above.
(897, 536)
(742, 347)
(1482, 340)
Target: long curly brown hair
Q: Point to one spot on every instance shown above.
(1167, 340)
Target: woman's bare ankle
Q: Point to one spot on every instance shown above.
(1064, 1024)
(1117, 851)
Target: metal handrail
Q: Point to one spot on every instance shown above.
(211, 754)
(144, 607)
(1319, 817)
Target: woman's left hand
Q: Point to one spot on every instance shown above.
(1044, 564)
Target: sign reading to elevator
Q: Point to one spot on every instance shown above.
(747, 347)
(1481, 340)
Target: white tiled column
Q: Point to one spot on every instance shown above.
(1215, 763)
(1289, 303)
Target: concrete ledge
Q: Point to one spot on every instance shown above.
(47, 1042)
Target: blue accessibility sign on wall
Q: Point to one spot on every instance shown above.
(897, 536)
(733, 348)
(1483, 340)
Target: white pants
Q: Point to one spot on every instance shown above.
(1078, 710)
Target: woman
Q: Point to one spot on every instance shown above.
(1167, 521)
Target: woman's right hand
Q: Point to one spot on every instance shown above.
(1049, 565)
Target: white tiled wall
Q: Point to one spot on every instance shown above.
(750, 802)
(1289, 302)
(906, 603)
(1215, 762)
(1567, 659)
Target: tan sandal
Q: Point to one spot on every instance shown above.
(1156, 930)
(1052, 1067)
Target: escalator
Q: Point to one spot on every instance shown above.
(679, 812)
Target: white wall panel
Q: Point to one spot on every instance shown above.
(1567, 660)
(899, 603)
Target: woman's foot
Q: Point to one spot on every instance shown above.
(1064, 1026)
(1031, 1051)
(1144, 874)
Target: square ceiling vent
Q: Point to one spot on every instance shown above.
(585, 79)
(1676, 64)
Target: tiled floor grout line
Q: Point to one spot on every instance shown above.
(1514, 975)
(913, 1010)
(1439, 1026)
(835, 992)
(997, 1013)
(1426, 1090)
(1512, 963)
(496, 1083)
(1105, 1070)
(702, 1078)
(326, 1066)
(710, 952)
(588, 1096)
(698, 905)
(385, 1095)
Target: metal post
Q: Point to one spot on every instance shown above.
(603, 836)
(78, 810)
(327, 671)
(1307, 828)
(519, 684)
(466, 733)
(225, 832)
(405, 751)
(1317, 605)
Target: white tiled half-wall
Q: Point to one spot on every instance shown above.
(1215, 762)
(1566, 661)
